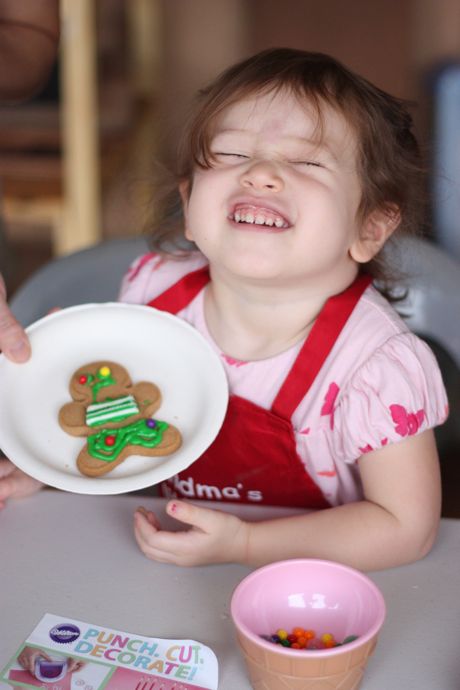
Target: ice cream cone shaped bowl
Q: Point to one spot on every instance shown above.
(332, 603)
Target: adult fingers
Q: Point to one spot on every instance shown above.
(13, 340)
(6, 467)
(8, 487)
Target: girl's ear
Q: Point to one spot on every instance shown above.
(375, 231)
(184, 191)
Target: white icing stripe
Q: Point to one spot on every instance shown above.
(120, 408)
(111, 403)
(126, 412)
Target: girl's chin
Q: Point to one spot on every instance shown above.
(254, 271)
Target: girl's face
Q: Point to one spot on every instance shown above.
(278, 206)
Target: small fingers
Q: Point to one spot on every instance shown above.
(157, 544)
(193, 515)
(145, 527)
(149, 516)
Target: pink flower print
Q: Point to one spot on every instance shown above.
(329, 400)
(232, 361)
(135, 270)
(406, 423)
(368, 448)
(327, 473)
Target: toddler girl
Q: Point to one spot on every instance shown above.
(293, 173)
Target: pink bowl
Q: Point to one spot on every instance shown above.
(318, 595)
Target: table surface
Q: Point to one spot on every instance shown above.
(76, 556)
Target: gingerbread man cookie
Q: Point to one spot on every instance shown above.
(116, 417)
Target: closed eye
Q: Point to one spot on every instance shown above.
(226, 154)
(315, 164)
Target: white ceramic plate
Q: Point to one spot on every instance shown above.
(153, 346)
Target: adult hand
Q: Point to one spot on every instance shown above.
(14, 483)
(213, 536)
(13, 339)
(28, 657)
(74, 665)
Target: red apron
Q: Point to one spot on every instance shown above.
(254, 458)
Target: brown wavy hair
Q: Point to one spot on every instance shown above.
(389, 161)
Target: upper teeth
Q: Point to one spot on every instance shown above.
(258, 219)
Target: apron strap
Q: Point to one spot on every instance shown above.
(314, 351)
(317, 347)
(179, 295)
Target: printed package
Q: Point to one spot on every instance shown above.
(67, 654)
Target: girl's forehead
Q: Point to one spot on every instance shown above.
(283, 113)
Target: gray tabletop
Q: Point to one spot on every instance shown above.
(76, 556)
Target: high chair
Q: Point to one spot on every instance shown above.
(432, 309)
(89, 275)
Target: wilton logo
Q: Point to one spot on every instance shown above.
(65, 633)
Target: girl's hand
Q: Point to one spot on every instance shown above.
(213, 537)
(14, 483)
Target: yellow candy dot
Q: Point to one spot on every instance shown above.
(282, 634)
(104, 371)
(327, 637)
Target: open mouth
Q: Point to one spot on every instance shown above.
(258, 215)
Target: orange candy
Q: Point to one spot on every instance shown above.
(301, 638)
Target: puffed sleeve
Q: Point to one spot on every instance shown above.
(151, 274)
(136, 279)
(396, 393)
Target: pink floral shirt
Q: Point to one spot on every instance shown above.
(379, 384)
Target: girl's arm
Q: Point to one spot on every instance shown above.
(396, 522)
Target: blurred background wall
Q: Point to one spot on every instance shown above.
(150, 57)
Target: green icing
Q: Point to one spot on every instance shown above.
(101, 382)
(97, 382)
(135, 434)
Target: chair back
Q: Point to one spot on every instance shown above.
(89, 275)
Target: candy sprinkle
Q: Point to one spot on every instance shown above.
(300, 638)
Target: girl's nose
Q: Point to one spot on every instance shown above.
(262, 176)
